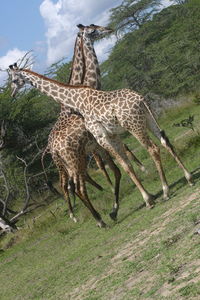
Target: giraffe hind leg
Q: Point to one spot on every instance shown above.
(164, 140)
(72, 189)
(166, 143)
(101, 166)
(114, 145)
(154, 152)
(89, 179)
(132, 156)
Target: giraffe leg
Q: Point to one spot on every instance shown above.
(131, 155)
(64, 181)
(114, 145)
(82, 193)
(154, 152)
(117, 175)
(92, 182)
(160, 134)
(64, 186)
(101, 166)
(166, 143)
(71, 188)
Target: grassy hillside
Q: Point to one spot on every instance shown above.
(146, 254)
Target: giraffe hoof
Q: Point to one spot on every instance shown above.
(166, 197)
(150, 206)
(143, 169)
(101, 224)
(113, 215)
(73, 218)
(150, 202)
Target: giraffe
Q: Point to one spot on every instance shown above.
(85, 69)
(106, 115)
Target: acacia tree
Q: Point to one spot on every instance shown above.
(132, 14)
(23, 121)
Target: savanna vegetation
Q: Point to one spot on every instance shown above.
(145, 254)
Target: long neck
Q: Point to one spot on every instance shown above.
(92, 76)
(66, 95)
(85, 67)
(78, 63)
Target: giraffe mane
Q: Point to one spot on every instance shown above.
(55, 81)
(70, 76)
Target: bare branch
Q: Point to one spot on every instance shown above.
(3, 134)
(25, 212)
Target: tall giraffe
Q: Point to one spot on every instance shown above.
(69, 141)
(106, 115)
(85, 69)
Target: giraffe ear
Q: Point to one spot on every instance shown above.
(80, 26)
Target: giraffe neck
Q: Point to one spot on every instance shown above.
(92, 76)
(78, 63)
(66, 95)
(85, 66)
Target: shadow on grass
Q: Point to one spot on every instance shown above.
(131, 211)
(180, 183)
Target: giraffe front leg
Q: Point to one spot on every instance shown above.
(114, 145)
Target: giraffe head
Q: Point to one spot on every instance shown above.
(94, 32)
(17, 81)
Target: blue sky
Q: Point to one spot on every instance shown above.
(48, 27)
(21, 24)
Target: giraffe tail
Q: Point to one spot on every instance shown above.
(46, 150)
(154, 126)
(48, 182)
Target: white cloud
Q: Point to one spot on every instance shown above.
(61, 18)
(11, 57)
(166, 2)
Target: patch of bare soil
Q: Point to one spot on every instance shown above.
(130, 251)
(182, 279)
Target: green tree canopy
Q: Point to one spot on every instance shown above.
(132, 14)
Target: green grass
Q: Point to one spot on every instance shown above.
(146, 254)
